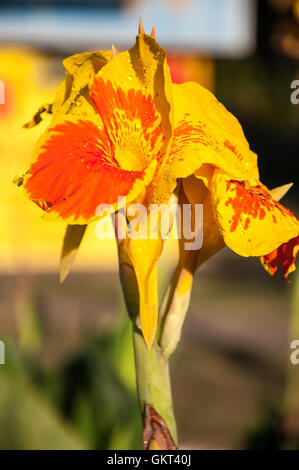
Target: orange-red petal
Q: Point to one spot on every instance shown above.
(80, 164)
(75, 172)
(284, 256)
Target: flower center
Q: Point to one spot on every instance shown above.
(130, 159)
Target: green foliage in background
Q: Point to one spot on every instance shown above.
(88, 403)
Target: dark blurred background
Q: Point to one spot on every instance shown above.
(68, 378)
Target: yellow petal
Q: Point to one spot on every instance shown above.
(144, 255)
(92, 61)
(144, 68)
(205, 132)
(284, 256)
(204, 173)
(73, 96)
(250, 221)
(71, 243)
(197, 193)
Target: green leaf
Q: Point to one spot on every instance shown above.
(27, 419)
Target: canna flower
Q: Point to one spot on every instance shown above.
(108, 139)
(121, 128)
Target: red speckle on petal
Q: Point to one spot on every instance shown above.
(233, 149)
(186, 133)
(247, 222)
(250, 203)
(262, 214)
(284, 256)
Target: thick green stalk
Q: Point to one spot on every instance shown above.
(153, 382)
(152, 372)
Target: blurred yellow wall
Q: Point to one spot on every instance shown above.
(28, 242)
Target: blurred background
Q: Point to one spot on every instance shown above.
(68, 379)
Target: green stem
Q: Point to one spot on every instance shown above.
(153, 382)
